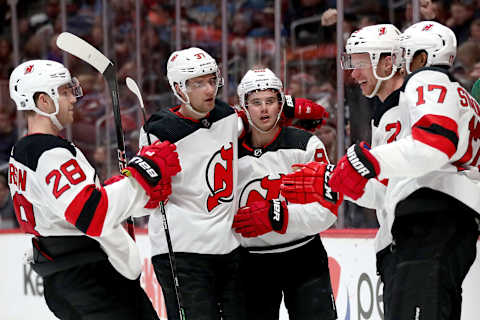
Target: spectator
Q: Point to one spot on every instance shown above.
(300, 84)
(131, 145)
(328, 135)
(459, 22)
(8, 133)
(309, 32)
(6, 59)
(100, 162)
(475, 30)
(54, 53)
(475, 74)
(52, 9)
(467, 56)
(8, 220)
(438, 9)
(263, 24)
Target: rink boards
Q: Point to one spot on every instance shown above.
(356, 286)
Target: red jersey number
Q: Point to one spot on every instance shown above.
(70, 170)
(24, 212)
(431, 87)
(395, 127)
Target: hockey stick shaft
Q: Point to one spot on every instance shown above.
(132, 85)
(83, 50)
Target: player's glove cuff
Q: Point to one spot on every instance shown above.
(147, 174)
(363, 161)
(354, 170)
(278, 215)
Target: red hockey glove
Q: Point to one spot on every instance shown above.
(353, 171)
(153, 168)
(301, 108)
(261, 217)
(310, 184)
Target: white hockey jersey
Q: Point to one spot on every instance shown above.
(260, 171)
(440, 149)
(203, 202)
(56, 192)
(388, 122)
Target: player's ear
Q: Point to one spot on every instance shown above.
(386, 64)
(41, 100)
(423, 58)
(179, 92)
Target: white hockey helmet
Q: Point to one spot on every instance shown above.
(259, 80)
(187, 64)
(374, 40)
(438, 41)
(44, 76)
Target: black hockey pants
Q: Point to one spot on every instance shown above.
(301, 275)
(209, 284)
(424, 269)
(96, 291)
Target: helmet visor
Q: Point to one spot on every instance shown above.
(201, 83)
(74, 86)
(352, 61)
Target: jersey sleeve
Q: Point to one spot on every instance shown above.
(71, 191)
(310, 218)
(431, 101)
(373, 197)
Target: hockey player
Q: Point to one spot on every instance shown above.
(432, 194)
(89, 264)
(280, 236)
(203, 202)
(372, 53)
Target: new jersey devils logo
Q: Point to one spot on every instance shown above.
(427, 27)
(219, 176)
(260, 189)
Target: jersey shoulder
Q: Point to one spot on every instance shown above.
(166, 124)
(30, 148)
(427, 74)
(293, 138)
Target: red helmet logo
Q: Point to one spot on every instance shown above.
(382, 31)
(28, 69)
(427, 27)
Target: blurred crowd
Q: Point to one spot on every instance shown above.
(308, 47)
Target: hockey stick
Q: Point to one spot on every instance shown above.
(132, 85)
(83, 50)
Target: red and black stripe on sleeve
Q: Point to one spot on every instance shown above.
(88, 210)
(439, 132)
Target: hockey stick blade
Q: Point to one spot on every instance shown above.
(83, 50)
(132, 85)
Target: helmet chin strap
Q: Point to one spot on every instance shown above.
(55, 121)
(375, 90)
(192, 110)
(51, 116)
